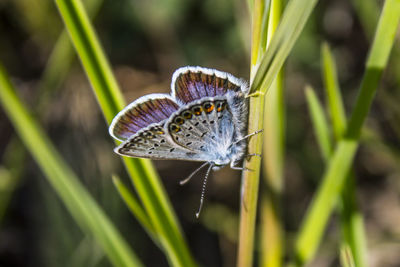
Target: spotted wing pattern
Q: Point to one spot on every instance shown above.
(153, 142)
(203, 127)
(193, 83)
(144, 111)
(200, 121)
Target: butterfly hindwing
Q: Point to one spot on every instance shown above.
(202, 126)
(153, 142)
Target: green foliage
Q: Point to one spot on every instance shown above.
(83, 208)
(110, 99)
(351, 218)
(337, 139)
(339, 164)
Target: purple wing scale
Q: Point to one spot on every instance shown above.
(144, 111)
(193, 83)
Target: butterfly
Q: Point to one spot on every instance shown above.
(203, 119)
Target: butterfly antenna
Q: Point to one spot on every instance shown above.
(192, 174)
(203, 190)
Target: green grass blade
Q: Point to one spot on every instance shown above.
(134, 206)
(319, 122)
(92, 57)
(250, 180)
(352, 223)
(271, 237)
(368, 13)
(324, 201)
(78, 201)
(250, 185)
(59, 63)
(334, 97)
(294, 18)
(346, 258)
(142, 173)
(293, 21)
(273, 160)
(259, 31)
(339, 165)
(50, 81)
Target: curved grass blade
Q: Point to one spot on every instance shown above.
(134, 206)
(293, 20)
(292, 23)
(272, 229)
(319, 122)
(141, 171)
(333, 95)
(83, 208)
(352, 223)
(15, 152)
(339, 165)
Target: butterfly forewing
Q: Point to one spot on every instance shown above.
(193, 83)
(144, 111)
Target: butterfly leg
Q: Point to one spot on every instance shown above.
(247, 136)
(233, 167)
(256, 94)
(248, 157)
(250, 135)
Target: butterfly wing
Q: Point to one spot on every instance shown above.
(154, 142)
(204, 126)
(193, 83)
(205, 115)
(144, 111)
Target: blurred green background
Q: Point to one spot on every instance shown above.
(145, 42)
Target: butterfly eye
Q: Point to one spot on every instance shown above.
(197, 110)
(174, 128)
(208, 107)
(179, 120)
(187, 114)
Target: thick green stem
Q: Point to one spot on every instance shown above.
(250, 182)
(264, 72)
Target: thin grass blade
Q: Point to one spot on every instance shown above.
(319, 122)
(141, 171)
(352, 222)
(83, 208)
(272, 239)
(293, 21)
(339, 165)
(134, 206)
(15, 152)
(334, 97)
